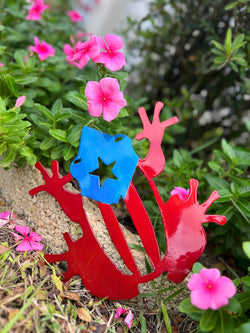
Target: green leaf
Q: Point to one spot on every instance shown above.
(46, 112)
(26, 79)
(231, 6)
(76, 98)
(7, 158)
(218, 46)
(68, 152)
(57, 107)
(177, 159)
(233, 306)
(220, 60)
(246, 248)
(238, 42)
(209, 320)
(246, 280)
(228, 41)
(240, 61)
(3, 147)
(31, 159)
(166, 318)
(59, 134)
(19, 57)
(217, 183)
(244, 328)
(75, 135)
(197, 267)
(137, 247)
(224, 323)
(216, 167)
(228, 149)
(143, 324)
(243, 299)
(2, 106)
(47, 143)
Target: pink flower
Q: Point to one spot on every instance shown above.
(74, 16)
(104, 97)
(85, 51)
(129, 317)
(112, 59)
(36, 10)
(29, 240)
(20, 101)
(210, 290)
(5, 218)
(1, 64)
(43, 49)
(70, 52)
(119, 311)
(182, 192)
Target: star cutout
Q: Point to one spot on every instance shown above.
(104, 171)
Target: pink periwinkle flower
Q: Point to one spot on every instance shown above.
(43, 49)
(85, 51)
(129, 316)
(74, 16)
(5, 218)
(1, 64)
(104, 97)
(182, 192)
(70, 52)
(36, 10)
(210, 290)
(29, 239)
(20, 101)
(112, 58)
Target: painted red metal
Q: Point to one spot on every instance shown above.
(182, 221)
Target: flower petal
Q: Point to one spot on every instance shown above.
(119, 311)
(114, 42)
(24, 246)
(95, 108)
(129, 319)
(36, 246)
(109, 86)
(93, 90)
(23, 230)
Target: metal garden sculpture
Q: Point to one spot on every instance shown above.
(182, 219)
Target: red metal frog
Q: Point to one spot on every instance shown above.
(182, 221)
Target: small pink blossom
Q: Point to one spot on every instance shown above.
(112, 58)
(74, 16)
(43, 49)
(29, 240)
(129, 316)
(70, 52)
(1, 64)
(182, 192)
(104, 97)
(5, 218)
(85, 51)
(119, 311)
(36, 10)
(20, 101)
(210, 290)
(81, 34)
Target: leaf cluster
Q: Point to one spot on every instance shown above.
(56, 108)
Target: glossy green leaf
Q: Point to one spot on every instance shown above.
(209, 320)
(76, 98)
(59, 134)
(45, 111)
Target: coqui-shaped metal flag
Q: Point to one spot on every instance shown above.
(182, 219)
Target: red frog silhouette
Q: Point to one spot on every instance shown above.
(182, 221)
